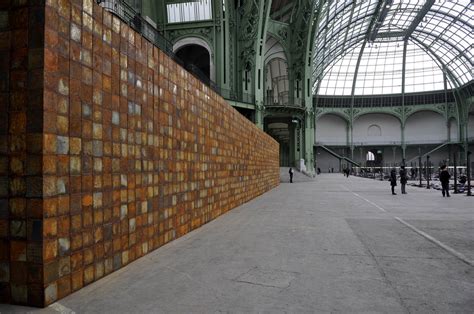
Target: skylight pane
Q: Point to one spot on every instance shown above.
(439, 33)
(422, 72)
(189, 11)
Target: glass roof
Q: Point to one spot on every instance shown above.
(380, 71)
(342, 24)
(189, 11)
(401, 15)
(438, 36)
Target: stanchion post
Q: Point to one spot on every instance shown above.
(428, 172)
(419, 169)
(455, 173)
(468, 169)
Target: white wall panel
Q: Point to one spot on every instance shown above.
(470, 126)
(365, 129)
(453, 130)
(331, 129)
(426, 127)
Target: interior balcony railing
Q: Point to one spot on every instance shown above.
(283, 99)
(438, 97)
(384, 143)
(239, 97)
(129, 12)
(282, 79)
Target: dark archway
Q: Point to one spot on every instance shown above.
(282, 130)
(195, 56)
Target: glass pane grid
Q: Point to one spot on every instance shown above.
(380, 69)
(443, 38)
(401, 15)
(338, 31)
(189, 11)
(422, 73)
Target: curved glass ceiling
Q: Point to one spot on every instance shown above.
(381, 71)
(364, 41)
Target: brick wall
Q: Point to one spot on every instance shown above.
(21, 127)
(110, 151)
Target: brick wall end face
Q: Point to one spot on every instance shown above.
(21, 129)
(131, 153)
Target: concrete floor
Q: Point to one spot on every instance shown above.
(325, 245)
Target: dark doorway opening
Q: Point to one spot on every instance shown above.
(282, 130)
(248, 113)
(374, 158)
(195, 57)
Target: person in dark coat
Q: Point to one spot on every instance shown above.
(444, 178)
(291, 174)
(393, 180)
(347, 172)
(403, 179)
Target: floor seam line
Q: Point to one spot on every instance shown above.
(425, 235)
(449, 249)
(382, 272)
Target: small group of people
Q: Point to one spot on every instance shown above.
(403, 180)
(346, 172)
(444, 177)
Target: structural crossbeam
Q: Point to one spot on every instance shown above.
(380, 19)
(419, 18)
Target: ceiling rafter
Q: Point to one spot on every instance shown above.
(380, 18)
(445, 34)
(436, 38)
(419, 18)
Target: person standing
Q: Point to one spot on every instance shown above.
(444, 178)
(403, 179)
(393, 180)
(291, 174)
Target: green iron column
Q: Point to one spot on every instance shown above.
(264, 13)
(225, 28)
(309, 141)
(403, 115)
(302, 39)
(254, 16)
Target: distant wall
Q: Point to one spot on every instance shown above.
(426, 126)
(331, 128)
(470, 125)
(421, 127)
(390, 130)
(110, 151)
(381, 132)
(326, 161)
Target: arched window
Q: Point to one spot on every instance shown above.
(374, 130)
(370, 156)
